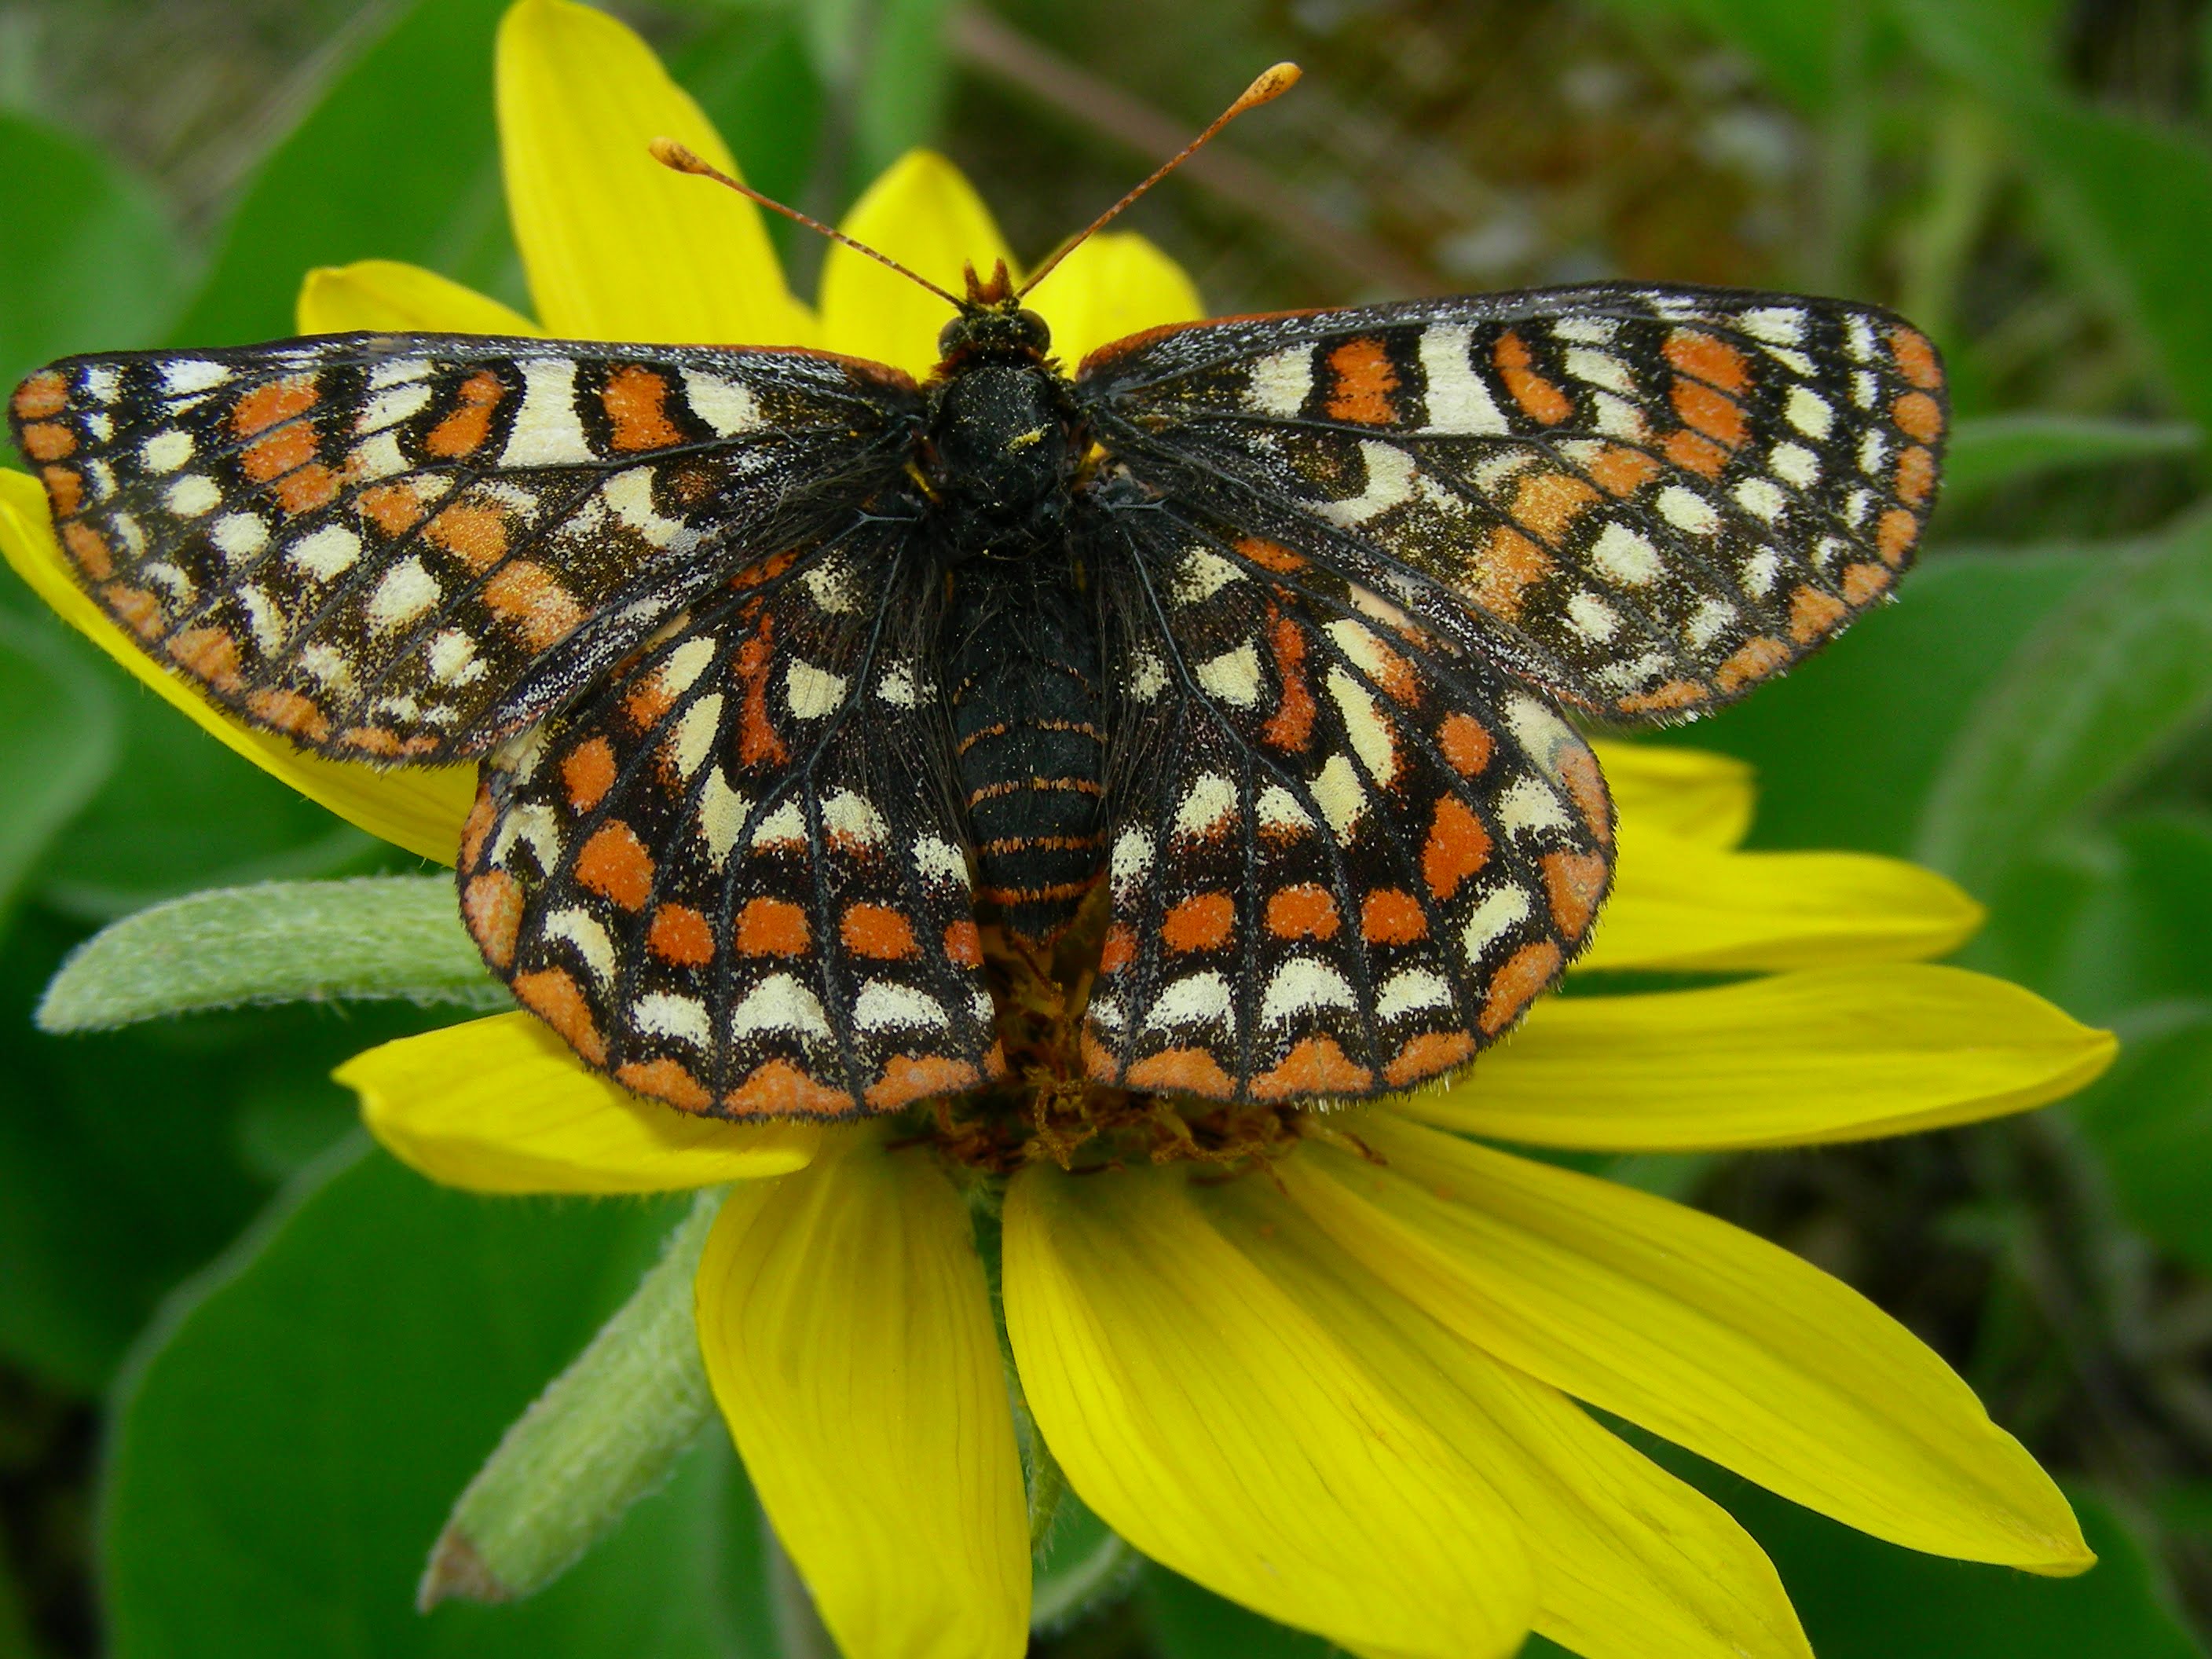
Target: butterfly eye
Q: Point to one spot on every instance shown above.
(950, 336)
(1034, 331)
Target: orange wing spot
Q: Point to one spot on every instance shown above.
(615, 864)
(279, 453)
(1578, 771)
(1517, 984)
(1899, 530)
(1466, 744)
(766, 571)
(1364, 381)
(1714, 414)
(1863, 581)
(907, 1078)
(90, 550)
(1673, 693)
(1270, 555)
(1119, 950)
(65, 488)
(310, 486)
(1458, 846)
(1316, 1066)
(137, 609)
(1507, 565)
(1547, 504)
(1692, 453)
(1201, 922)
(636, 400)
(469, 423)
(1538, 398)
(665, 1079)
(1916, 358)
(1290, 728)
(209, 652)
(380, 740)
(1390, 916)
(553, 996)
(478, 827)
(393, 508)
(266, 405)
(1757, 659)
(1620, 471)
(477, 536)
(1181, 1071)
(1393, 674)
(758, 743)
(1918, 416)
(1708, 357)
(1303, 912)
(1575, 881)
(680, 934)
(43, 394)
(1915, 475)
(587, 771)
(531, 598)
(964, 944)
(491, 904)
(779, 1089)
(1814, 614)
(1427, 1054)
(773, 927)
(48, 441)
(877, 931)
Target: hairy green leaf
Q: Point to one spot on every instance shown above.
(1998, 449)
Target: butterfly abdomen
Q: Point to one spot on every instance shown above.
(1022, 659)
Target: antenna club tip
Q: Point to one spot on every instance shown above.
(669, 154)
(1273, 82)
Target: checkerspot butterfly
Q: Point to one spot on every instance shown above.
(784, 671)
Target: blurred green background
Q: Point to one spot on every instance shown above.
(246, 1364)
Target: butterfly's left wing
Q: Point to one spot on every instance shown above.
(1641, 499)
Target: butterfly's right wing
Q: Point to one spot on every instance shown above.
(404, 548)
(732, 878)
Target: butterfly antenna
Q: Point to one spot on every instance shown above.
(672, 154)
(1273, 83)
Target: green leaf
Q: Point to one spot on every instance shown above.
(2101, 691)
(1191, 1622)
(397, 161)
(905, 86)
(1983, 454)
(91, 262)
(1848, 747)
(284, 941)
(751, 74)
(2150, 1119)
(289, 1438)
(57, 742)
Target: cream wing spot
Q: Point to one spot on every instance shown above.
(677, 1018)
(1279, 381)
(778, 1005)
(547, 431)
(1459, 399)
(407, 592)
(1301, 986)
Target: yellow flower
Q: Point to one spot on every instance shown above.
(1342, 1391)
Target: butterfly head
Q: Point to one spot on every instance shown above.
(993, 323)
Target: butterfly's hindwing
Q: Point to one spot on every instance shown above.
(727, 876)
(1344, 854)
(1642, 499)
(406, 548)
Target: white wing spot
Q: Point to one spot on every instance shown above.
(331, 552)
(165, 452)
(1391, 475)
(1622, 556)
(1498, 913)
(1458, 400)
(580, 929)
(1687, 510)
(779, 1003)
(1279, 381)
(881, 1006)
(1301, 986)
(1196, 999)
(725, 406)
(547, 432)
(1592, 617)
(192, 494)
(407, 591)
(1209, 802)
(1808, 411)
(812, 692)
(658, 1014)
(1233, 677)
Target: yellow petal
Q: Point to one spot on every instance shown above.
(1631, 1563)
(1679, 905)
(421, 809)
(1115, 284)
(846, 1329)
(923, 214)
(385, 297)
(500, 1105)
(1697, 1331)
(617, 246)
(1224, 1432)
(1692, 793)
(1832, 1053)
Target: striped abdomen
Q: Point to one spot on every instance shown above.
(1022, 659)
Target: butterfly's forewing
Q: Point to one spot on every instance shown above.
(1643, 499)
(1344, 853)
(730, 876)
(406, 548)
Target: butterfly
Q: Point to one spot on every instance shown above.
(787, 675)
